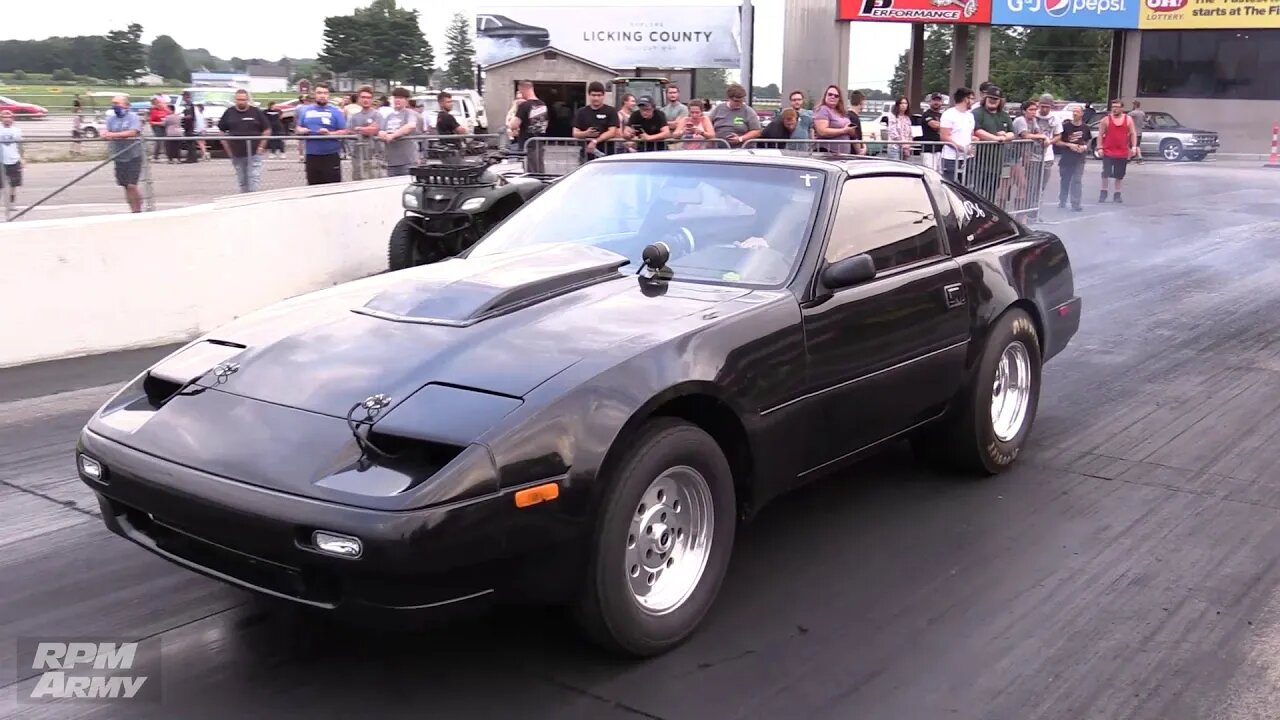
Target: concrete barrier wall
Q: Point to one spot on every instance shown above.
(82, 286)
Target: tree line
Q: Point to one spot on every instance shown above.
(1070, 63)
(381, 42)
(384, 42)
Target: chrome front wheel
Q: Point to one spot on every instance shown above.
(1011, 392)
(669, 540)
(661, 545)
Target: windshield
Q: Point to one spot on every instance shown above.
(1159, 120)
(724, 222)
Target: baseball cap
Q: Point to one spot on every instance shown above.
(935, 96)
(1047, 97)
(644, 100)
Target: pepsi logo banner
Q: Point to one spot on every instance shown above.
(1110, 14)
(966, 12)
(1206, 14)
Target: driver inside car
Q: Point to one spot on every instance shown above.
(786, 225)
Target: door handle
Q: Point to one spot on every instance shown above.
(955, 295)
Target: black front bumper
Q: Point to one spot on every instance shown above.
(424, 561)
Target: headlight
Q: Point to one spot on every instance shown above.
(411, 200)
(473, 203)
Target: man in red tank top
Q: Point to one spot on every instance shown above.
(1119, 142)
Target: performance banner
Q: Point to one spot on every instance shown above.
(615, 37)
(968, 12)
(1206, 14)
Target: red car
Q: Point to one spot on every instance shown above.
(23, 110)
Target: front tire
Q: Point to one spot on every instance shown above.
(406, 248)
(993, 420)
(662, 542)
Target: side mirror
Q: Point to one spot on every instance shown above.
(849, 272)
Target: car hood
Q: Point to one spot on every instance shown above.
(1180, 129)
(503, 324)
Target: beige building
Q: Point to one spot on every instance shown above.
(559, 79)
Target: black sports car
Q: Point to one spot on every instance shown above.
(584, 406)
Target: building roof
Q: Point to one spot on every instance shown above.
(543, 51)
(267, 69)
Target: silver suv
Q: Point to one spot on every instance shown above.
(1164, 136)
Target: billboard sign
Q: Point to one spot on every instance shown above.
(615, 37)
(1109, 14)
(1209, 14)
(969, 12)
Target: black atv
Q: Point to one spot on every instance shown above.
(453, 203)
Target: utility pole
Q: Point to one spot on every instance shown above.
(748, 38)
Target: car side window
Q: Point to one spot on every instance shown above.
(979, 223)
(888, 217)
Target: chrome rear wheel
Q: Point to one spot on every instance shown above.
(1011, 392)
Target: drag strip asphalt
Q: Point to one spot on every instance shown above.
(1127, 568)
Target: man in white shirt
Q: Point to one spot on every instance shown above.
(1050, 126)
(11, 154)
(957, 131)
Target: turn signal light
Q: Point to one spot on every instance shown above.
(537, 494)
(90, 468)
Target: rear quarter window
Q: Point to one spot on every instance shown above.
(979, 223)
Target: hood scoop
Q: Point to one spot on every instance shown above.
(463, 292)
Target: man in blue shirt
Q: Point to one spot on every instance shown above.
(804, 121)
(124, 130)
(323, 157)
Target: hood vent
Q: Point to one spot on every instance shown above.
(464, 292)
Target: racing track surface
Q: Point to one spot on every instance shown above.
(1128, 568)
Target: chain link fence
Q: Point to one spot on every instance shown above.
(63, 177)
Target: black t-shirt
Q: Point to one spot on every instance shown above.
(533, 119)
(273, 119)
(1076, 135)
(856, 123)
(606, 117)
(652, 125)
(775, 130)
(928, 134)
(588, 117)
(243, 123)
(446, 123)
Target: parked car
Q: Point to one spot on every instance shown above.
(1163, 136)
(585, 405)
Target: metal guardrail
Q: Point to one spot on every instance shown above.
(1003, 172)
(198, 167)
(1011, 174)
(553, 157)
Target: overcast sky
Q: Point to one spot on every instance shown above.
(296, 29)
